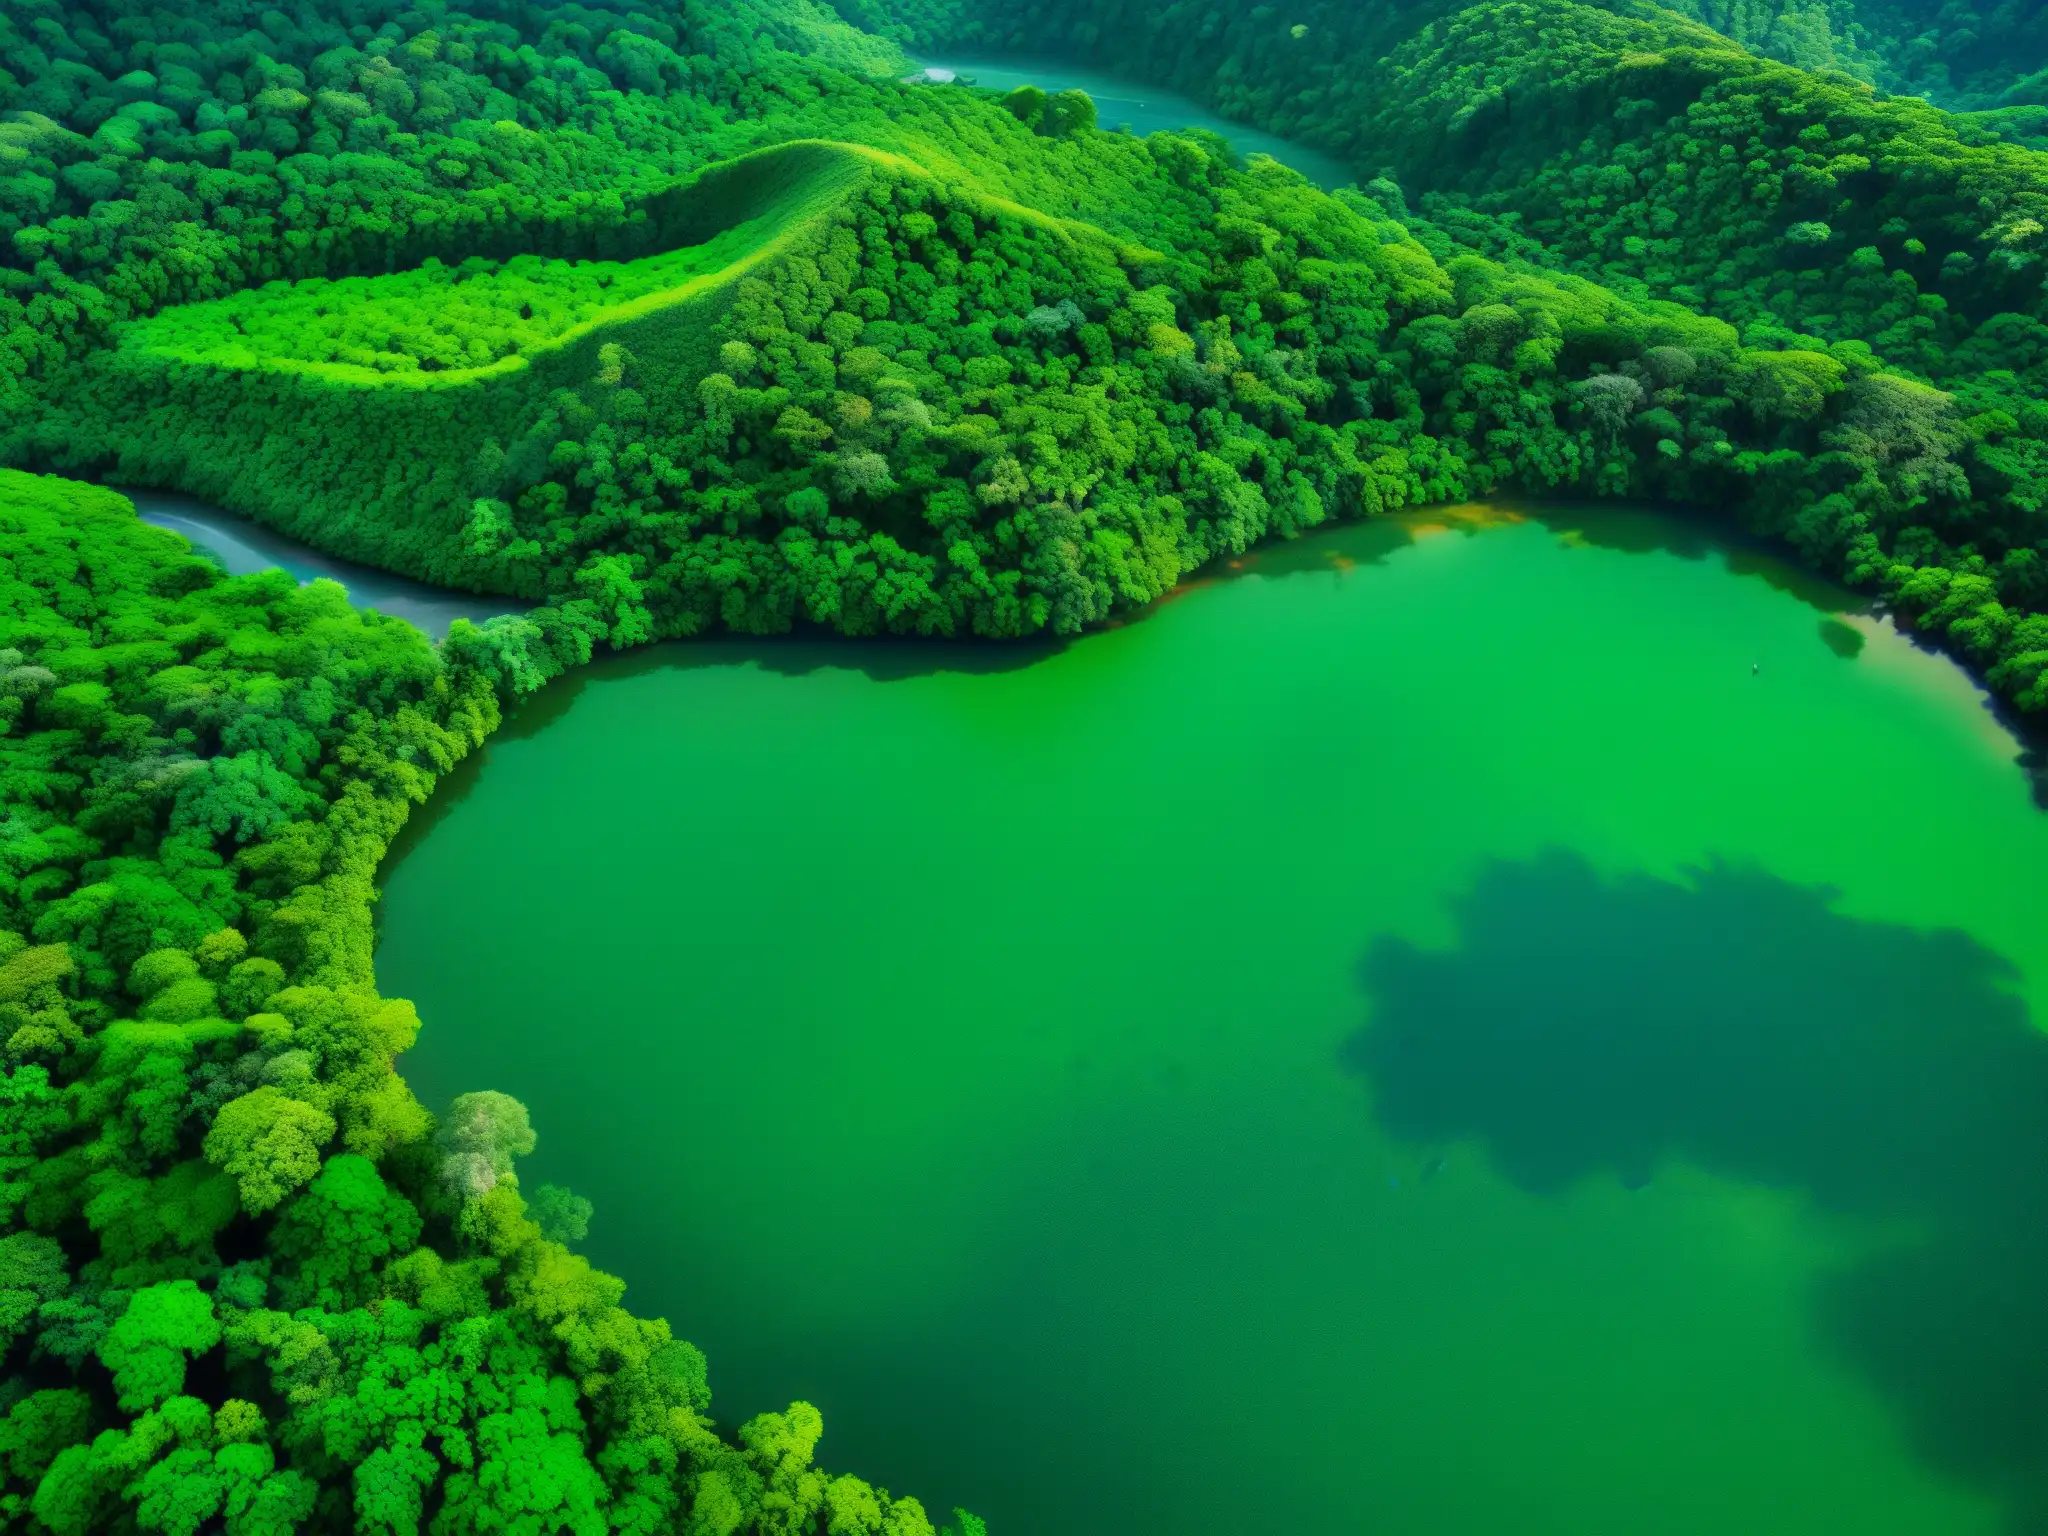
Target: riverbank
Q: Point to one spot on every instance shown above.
(241, 545)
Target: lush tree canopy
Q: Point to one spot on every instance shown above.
(1644, 152)
(248, 1282)
(698, 318)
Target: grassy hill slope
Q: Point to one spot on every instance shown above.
(382, 465)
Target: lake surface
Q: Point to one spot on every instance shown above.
(1474, 1023)
(241, 545)
(1143, 109)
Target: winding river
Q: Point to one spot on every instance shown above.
(241, 545)
(1493, 1020)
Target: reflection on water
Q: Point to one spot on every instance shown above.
(242, 545)
(882, 660)
(1584, 1028)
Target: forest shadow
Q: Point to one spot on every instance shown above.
(1690, 533)
(1340, 546)
(890, 659)
(887, 660)
(1587, 1027)
(1687, 533)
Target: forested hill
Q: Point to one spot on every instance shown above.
(1637, 149)
(1502, 98)
(157, 156)
(1963, 57)
(1634, 146)
(696, 317)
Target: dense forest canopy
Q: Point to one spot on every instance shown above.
(1650, 155)
(700, 317)
(1962, 57)
(248, 1282)
(1958, 56)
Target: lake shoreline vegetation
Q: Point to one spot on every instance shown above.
(309, 1304)
(702, 322)
(1263, 355)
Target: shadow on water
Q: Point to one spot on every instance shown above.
(880, 661)
(1845, 640)
(1685, 533)
(1587, 1027)
(1690, 534)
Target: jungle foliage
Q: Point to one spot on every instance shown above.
(1958, 56)
(936, 413)
(248, 1283)
(1961, 57)
(699, 319)
(1642, 151)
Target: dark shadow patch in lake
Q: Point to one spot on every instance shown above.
(1588, 1027)
(1845, 640)
(1333, 548)
(1686, 533)
(1690, 533)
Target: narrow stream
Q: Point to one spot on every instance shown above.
(241, 545)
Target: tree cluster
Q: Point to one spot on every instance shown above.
(936, 412)
(699, 320)
(435, 318)
(154, 155)
(247, 1282)
(1648, 154)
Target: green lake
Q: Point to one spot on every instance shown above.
(1478, 1023)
